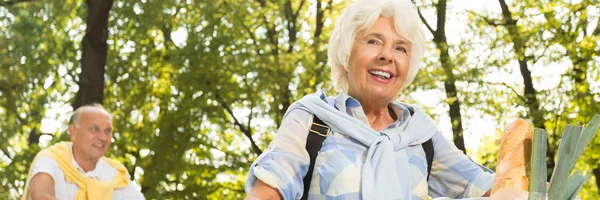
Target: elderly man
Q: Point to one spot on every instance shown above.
(78, 169)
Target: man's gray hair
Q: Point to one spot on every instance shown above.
(359, 16)
(77, 113)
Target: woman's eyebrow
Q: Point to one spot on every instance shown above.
(400, 41)
(377, 35)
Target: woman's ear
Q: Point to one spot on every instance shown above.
(343, 68)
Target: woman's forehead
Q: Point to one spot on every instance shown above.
(382, 28)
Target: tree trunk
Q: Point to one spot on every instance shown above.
(93, 59)
(439, 37)
(596, 172)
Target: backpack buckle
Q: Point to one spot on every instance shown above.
(319, 129)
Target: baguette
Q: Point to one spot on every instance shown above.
(514, 157)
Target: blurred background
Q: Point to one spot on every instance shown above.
(198, 88)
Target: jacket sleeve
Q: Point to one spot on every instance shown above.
(454, 174)
(285, 163)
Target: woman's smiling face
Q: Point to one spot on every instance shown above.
(378, 63)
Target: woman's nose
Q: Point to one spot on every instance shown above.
(385, 56)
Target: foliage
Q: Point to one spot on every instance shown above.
(198, 88)
(190, 83)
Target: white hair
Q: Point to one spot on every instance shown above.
(77, 113)
(359, 16)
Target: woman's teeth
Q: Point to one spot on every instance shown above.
(381, 74)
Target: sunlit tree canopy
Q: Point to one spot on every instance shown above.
(198, 88)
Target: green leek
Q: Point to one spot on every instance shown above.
(572, 145)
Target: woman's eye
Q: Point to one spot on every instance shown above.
(402, 49)
(372, 41)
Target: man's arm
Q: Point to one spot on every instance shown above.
(263, 191)
(131, 192)
(42, 187)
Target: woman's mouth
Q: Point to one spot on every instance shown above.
(380, 74)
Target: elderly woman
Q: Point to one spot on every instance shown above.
(372, 146)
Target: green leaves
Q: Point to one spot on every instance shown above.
(170, 101)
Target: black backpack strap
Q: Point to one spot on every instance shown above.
(314, 141)
(428, 148)
(316, 135)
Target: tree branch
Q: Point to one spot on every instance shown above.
(167, 34)
(299, 8)
(316, 38)
(319, 75)
(138, 159)
(535, 59)
(251, 102)
(319, 20)
(10, 3)
(270, 30)
(489, 21)
(560, 103)
(167, 29)
(3, 87)
(262, 3)
(291, 24)
(3, 151)
(424, 21)
(245, 130)
(582, 22)
(501, 84)
(250, 33)
(330, 5)
(596, 172)
(597, 29)
(513, 90)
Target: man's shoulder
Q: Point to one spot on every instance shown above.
(112, 161)
(114, 165)
(44, 160)
(45, 164)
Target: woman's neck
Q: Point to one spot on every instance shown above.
(379, 116)
(376, 111)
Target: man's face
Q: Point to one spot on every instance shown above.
(92, 136)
